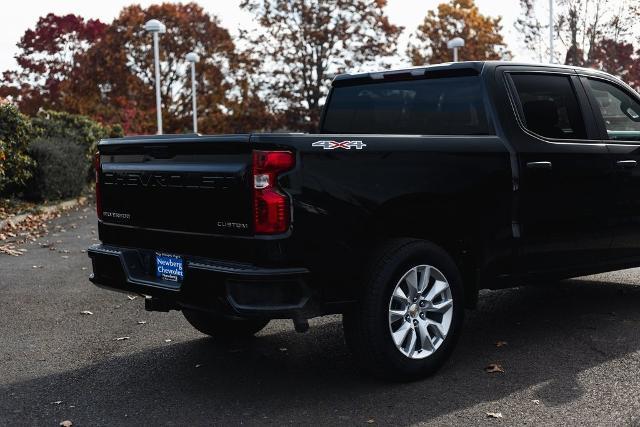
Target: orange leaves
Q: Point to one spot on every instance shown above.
(458, 18)
(219, 72)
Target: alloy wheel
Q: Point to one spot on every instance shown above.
(420, 311)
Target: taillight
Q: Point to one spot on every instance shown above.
(271, 210)
(97, 167)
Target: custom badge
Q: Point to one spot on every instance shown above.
(345, 145)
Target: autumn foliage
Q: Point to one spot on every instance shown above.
(46, 57)
(114, 80)
(276, 76)
(458, 18)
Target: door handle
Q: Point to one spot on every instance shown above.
(627, 164)
(539, 165)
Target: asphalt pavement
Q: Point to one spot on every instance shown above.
(570, 352)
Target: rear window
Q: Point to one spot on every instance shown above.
(440, 106)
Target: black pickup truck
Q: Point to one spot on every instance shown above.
(422, 186)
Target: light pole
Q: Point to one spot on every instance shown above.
(455, 44)
(551, 31)
(193, 58)
(156, 27)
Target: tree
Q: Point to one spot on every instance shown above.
(458, 18)
(114, 81)
(303, 43)
(590, 33)
(530, 28)
(616, 58)
(47, 54)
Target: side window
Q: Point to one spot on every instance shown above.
(621, 112)
(550, 105)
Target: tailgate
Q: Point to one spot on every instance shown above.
(192, 184)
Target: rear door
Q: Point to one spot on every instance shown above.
(565, 183)
(617, 110)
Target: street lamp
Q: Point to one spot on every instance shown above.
(156, 27)
(193, 58)
(455, 44)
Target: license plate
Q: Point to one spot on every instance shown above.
(169, 267)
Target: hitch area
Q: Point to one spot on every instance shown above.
(300, 324)
(159, 304)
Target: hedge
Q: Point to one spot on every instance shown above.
(15, 165)
(49, 166)
(58, 125)
(61, 170)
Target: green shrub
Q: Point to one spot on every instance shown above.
(73, 127)
(3, 157)
(15, 165)
(61, 170)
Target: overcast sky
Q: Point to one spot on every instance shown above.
(17, 16)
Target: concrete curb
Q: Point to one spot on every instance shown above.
(62, 206)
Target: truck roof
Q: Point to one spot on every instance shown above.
(455, 68)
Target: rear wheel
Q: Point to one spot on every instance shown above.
(223, 327)
(410, 313)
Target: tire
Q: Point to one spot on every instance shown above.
(223, 327)
(370, 325)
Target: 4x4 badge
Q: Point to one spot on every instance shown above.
(332, 145)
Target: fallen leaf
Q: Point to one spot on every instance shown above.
(493, 368)
(10, 249)
(536, 401)
(121, 338)
(501, 343)
(494, 414)
(66, 423)
(87, 312)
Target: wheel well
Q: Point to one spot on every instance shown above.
(438, 222)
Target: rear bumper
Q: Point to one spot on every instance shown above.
(210, 285)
